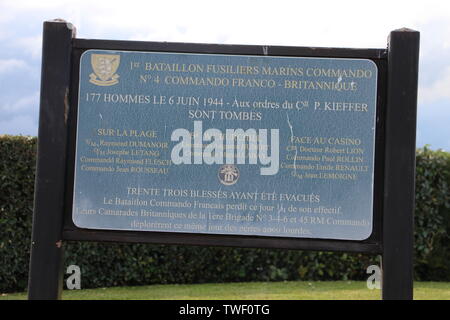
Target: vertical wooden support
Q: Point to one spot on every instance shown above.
(400, 155)
(45, 277)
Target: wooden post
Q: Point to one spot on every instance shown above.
(46, 277)
(400, 156)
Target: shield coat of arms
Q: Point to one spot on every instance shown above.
(105, 67)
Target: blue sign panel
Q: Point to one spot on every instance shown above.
(225, 144)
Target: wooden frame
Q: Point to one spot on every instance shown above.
(393, 169)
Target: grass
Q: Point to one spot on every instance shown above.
(290, 290)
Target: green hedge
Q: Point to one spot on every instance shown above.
(17, 167)
(105, 264)
(432, 215)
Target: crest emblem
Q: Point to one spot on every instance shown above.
(228, 174)
(105, 67)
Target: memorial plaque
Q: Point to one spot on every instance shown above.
(225, 144)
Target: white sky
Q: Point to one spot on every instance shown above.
(294, 23)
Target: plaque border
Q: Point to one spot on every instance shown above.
(371, 244)
(373, 145)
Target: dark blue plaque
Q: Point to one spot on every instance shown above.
(225, 144)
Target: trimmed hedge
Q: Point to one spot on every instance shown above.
(432, 215)
(105, 264)
(17, 167)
